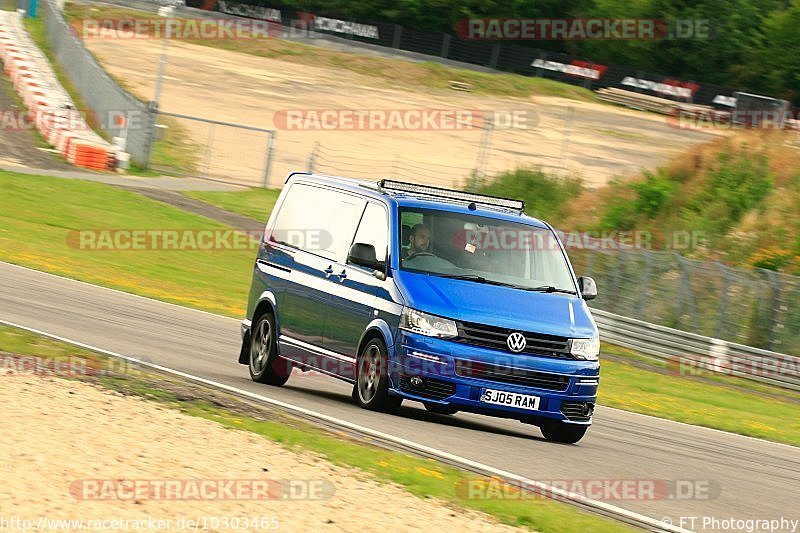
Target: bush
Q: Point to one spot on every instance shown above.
(654, 193)
(739, 183)
(545, 196)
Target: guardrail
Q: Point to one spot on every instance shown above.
(690, 354)
(121, 114)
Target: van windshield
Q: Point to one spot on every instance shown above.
(481, 249)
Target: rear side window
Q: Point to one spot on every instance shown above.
(318, 220)
(374, 230)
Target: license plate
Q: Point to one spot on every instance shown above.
(510, 399)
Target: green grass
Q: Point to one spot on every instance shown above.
(424, 478)
(254, 203)
(383, 71)
(176, 151)
(720, 402)
(37, 214)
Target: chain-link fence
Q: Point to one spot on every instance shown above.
(756, 307)
(119, 114)
(329, 161)
(214, 149)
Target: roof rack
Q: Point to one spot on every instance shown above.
(439, 192)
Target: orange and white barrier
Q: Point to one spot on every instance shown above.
(50, 108)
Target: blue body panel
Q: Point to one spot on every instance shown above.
(293, 284)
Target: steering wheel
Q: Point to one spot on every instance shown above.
(423, 253)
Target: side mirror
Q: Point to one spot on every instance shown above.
(364, 255)
(588, 287)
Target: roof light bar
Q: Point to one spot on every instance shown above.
(439, 192)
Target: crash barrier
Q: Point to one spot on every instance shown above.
(655, 104)
(50, 108)
(118, 114)
(690, 354)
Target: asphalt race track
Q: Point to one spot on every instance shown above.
(758, 479)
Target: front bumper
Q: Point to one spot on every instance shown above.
(446, 372)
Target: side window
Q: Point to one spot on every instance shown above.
(345, 210)
(374, 230)
(318, 220)
(408, 219)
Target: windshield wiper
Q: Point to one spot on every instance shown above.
(550, 288)
(479, 279)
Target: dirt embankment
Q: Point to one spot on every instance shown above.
(64, 444)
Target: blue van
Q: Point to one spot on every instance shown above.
(456, 300)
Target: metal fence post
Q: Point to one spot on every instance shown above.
(209, 144)
(483, 152)
(568, 116)
(495, 56)
(398, 32)
(268, 162)
(617, 280)
(312, 157)
(445, 45)
(645, 285)
(773, 308)
(723, 302)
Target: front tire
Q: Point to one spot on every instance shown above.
(563, 433)
(371, 389)
(264, 364)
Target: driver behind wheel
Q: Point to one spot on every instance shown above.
(419, 240)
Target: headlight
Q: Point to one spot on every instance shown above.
(588, 349)
(425, 324)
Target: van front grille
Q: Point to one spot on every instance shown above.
(496, 337)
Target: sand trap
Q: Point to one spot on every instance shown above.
(563, 136)
(57, 432)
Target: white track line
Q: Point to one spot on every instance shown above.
(454, 459)
(184, 308)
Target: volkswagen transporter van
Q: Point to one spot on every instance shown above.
(456, 300)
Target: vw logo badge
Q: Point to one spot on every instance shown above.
(516, 342)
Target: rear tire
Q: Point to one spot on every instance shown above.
(563, 433)
(264, 364)
(371, 390)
